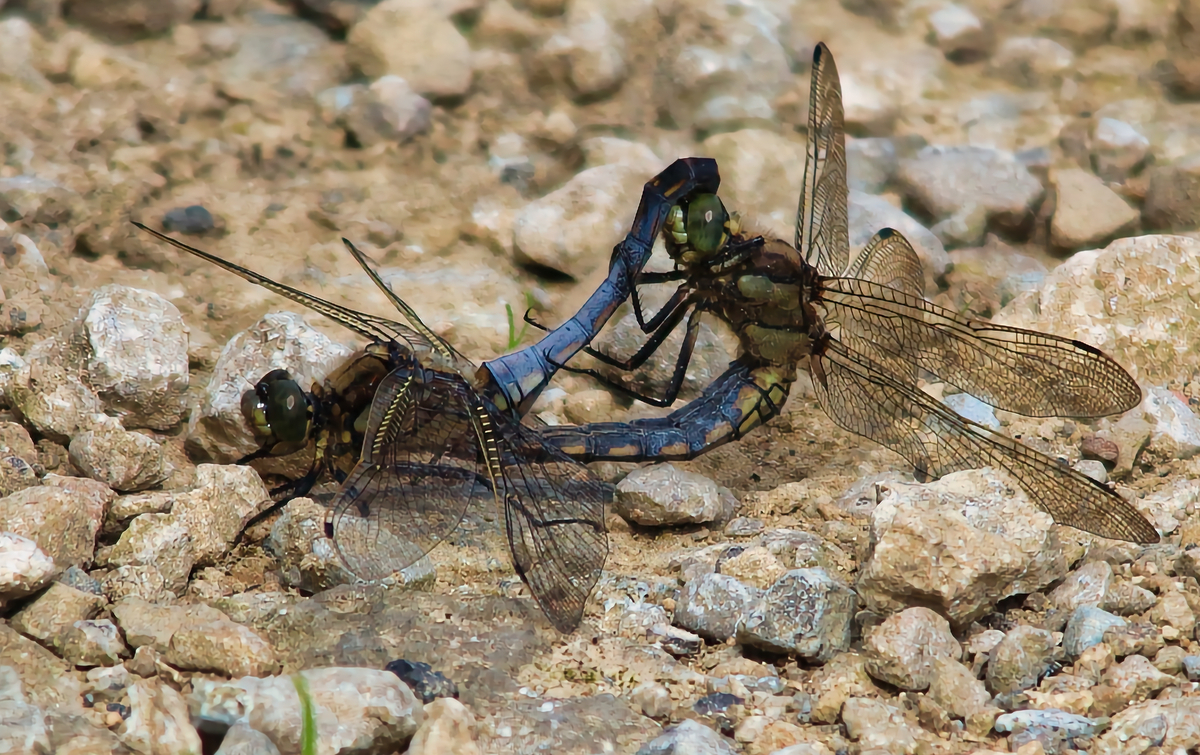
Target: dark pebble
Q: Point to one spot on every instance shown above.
(716, 704)
(426, 683)
(193, 220)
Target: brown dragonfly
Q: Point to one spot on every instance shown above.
(863, 330)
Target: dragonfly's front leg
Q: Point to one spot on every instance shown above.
(740, 400)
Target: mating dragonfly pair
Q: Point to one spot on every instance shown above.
(416, 433)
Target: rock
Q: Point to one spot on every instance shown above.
(688, 737)
(48, 616)
(426, 684)
(24, 727)
(901, 651)
(1174, 610)
(955, 688)
(1086, 628)
(1069, 724)
(158, 720)
(1127, 300)
(756, 566)
(62, 516)
(1118, 149)
(744, 526)
(129, 19)
(875, 724)
(1176, 433)
(194, 638)
(1168, 724)
(387, 111)
(18, 40)
(761, 172)
(714, 605)
(280, 340)
(723, 65)
(415, 41)
(136, 351)
(359, 707)
(1125, 599)
(871, 163)
(959, 33)
(30, 199)
(574, 228)
(24, 567)
(240, 739)
(49, 395)
(1031, 62)
(1134, 678)
(124, 461)
(1086, 586)
(448, 728)
(1019, 660)
(806, 613)
(991, 543)
(1134, 637)
(947, 182)
(1170, 198)
(663, 495)
(592, 50)
(1087, 212)
(608, 150)
(221, 646)
(278, 58)
(652, 699)
(93, 643)
(194, 220)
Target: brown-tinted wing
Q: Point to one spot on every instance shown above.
(822, 232)
(369, 326)
(420, 470)
(889, 260)
(554, 512)
(1021, 371)
(858, 396)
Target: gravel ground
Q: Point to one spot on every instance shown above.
(795, 593)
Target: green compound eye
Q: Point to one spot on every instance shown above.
(706, 218)
(287, 411)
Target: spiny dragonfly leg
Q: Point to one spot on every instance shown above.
(518, 378)
(740, 400)
(671, 392)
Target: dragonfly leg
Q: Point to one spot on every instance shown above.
(740, 400)
(671, 392)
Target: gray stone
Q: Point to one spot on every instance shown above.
(959, 33)
(663, 494)
(1019, 660)
(966, 405)
(1118, 149)
(688, 737)
(944, 181)
(415, 41)
(806, 613)
(1031, 62)
(1086, 628)
(714, 606)
(1129, 300)
(385, 112)
(1171, 196)
(366, 708)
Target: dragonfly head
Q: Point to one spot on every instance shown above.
(699, 230)
(278, 409)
